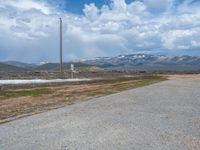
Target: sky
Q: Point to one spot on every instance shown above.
(29, 29)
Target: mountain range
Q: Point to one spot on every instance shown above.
(148, 62)
(121, 62)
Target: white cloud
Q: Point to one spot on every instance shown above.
(28, 4)
(159, 5)
(119, 5)
(33, 29)
(91, 11)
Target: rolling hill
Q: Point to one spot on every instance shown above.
(20, 64)
(10, 68)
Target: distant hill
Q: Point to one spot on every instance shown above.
(20, 64)
(14, 66)
(9, 68)
(148, 62)
(66, 66)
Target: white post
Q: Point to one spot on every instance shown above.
(72, 71)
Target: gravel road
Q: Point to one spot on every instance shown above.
(163, 116)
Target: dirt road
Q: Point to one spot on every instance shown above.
(162, 116)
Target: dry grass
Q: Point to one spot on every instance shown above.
(14, 103)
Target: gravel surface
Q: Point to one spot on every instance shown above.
(163, 116)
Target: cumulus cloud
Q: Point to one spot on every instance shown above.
(159, 5)
(91, 11)
(30, 29)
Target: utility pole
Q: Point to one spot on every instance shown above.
(61, 63)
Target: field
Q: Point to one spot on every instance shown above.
(22, 100)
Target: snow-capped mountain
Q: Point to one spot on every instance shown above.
(148, 62)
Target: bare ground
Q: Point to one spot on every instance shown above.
(184, 76)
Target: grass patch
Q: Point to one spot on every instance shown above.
(30, 92)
